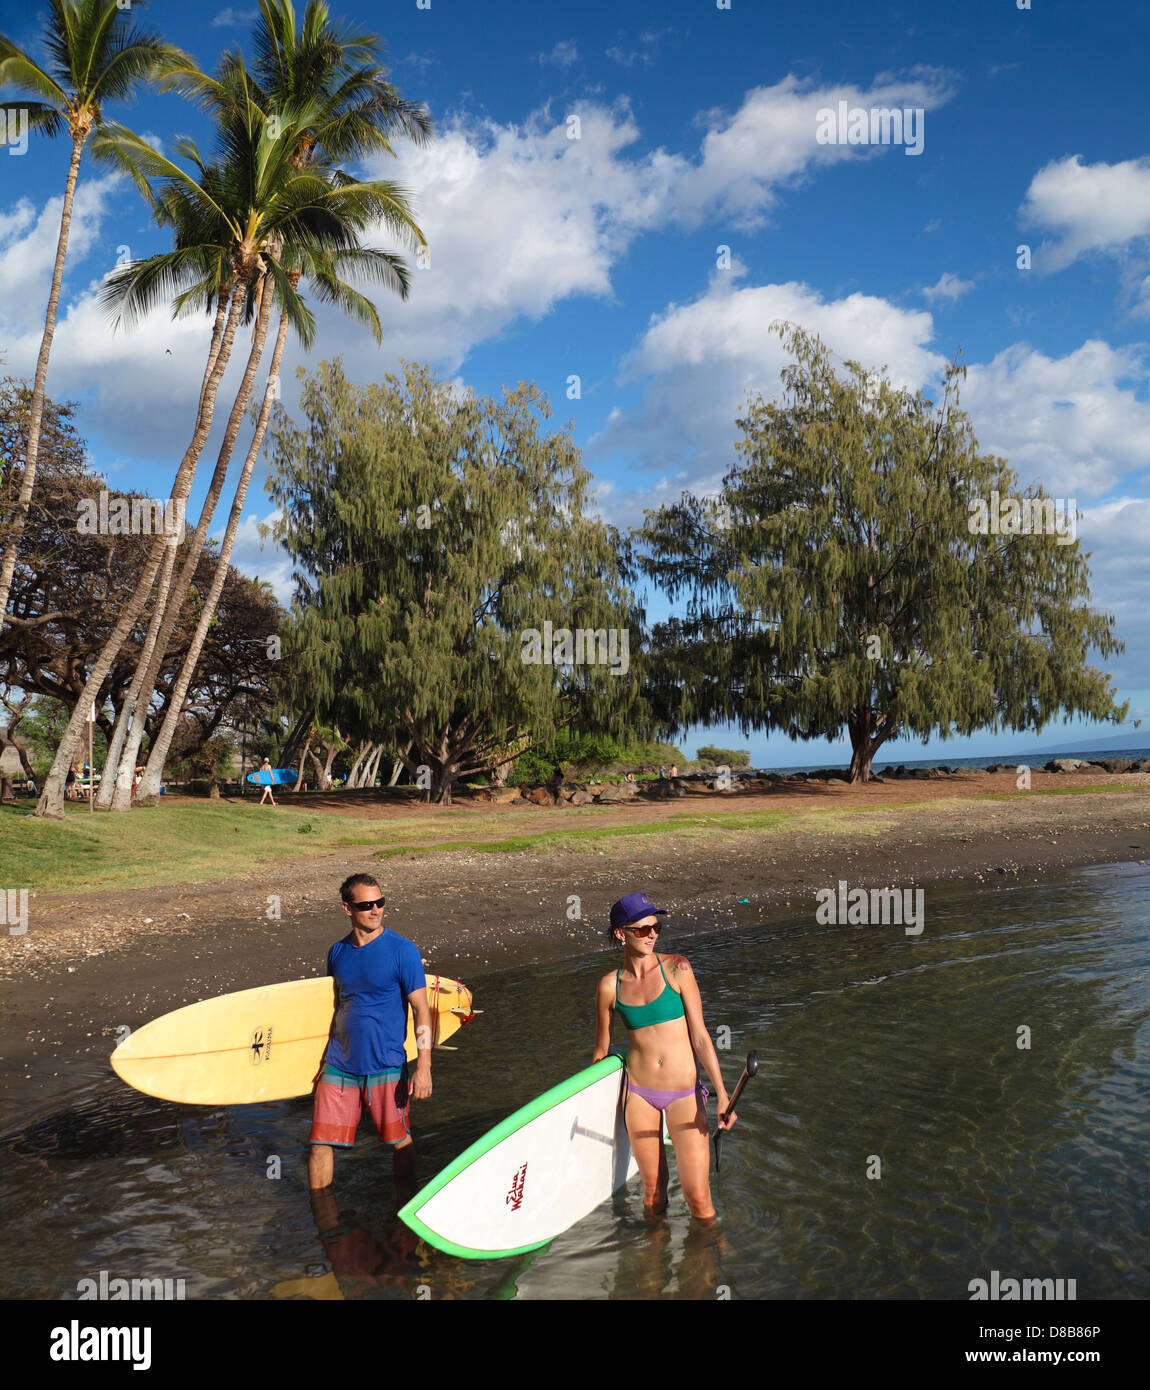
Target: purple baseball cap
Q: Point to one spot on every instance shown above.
(632, 907)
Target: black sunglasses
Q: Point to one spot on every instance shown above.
(367, 904)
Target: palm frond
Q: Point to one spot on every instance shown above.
(19, 71)
(132, 292)
(291, 304)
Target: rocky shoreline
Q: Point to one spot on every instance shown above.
(601, 792)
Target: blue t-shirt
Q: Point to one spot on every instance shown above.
(372, 983)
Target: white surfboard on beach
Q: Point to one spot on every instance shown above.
(534, 1175)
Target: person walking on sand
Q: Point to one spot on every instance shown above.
(657, 997)
(377, 975)
(267, 796)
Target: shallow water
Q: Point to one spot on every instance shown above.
(878, 1051)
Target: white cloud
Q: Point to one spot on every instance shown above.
(649, 41)
(16, 222)
(949, 287)
(517, 220)
(628, 60)
(260, 559)
(703, 358)
(770, 142)
(28, 241)
(234, 19)
(1115, 534)
(1073, 423)
(562, 55)
(1088, 207)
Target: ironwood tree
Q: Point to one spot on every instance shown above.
(836, 583)
(438, 541)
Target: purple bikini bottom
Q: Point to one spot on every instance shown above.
(661, 1099)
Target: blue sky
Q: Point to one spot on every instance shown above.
(599, 256)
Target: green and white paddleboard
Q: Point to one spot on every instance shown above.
(531, 1177)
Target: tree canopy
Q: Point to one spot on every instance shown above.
(838, 581)
(452, 591)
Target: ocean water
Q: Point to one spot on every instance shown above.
(1033, 759)
(897, 1143)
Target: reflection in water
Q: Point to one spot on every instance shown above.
(103, 1126)
(927, 1109)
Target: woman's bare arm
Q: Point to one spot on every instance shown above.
(603, 1002)
(701, 1044)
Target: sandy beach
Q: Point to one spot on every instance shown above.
(91, 962)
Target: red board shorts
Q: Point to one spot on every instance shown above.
(340, 1097)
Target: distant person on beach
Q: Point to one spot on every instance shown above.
(658, 1000)
(377, 975)
(267, 796)
(674, 770)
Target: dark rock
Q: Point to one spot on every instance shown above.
(500, 795)
(618, 792)
(1113, 764)
(663, 791)
(1065, 765)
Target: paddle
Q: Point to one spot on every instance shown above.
(748, 1071)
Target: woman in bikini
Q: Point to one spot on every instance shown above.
(658, 1000)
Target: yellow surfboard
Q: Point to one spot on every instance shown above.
(258, 1044)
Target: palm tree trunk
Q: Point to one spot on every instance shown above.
(397, 766)
(298, 786)
(32, 448)
(325, 778)
(362, 752)
(114, 762)
(112, 769)
(51, 801)
(150, 784)
(168, 605)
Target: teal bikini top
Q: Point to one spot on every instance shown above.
(666, 1005)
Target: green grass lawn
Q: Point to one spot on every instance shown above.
(189, 841)
(183, 841)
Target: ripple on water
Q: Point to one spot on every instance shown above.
(927, 1109)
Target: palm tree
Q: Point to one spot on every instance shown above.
(333, 110)
(259, 200)
(94, 58)
(150, 783)
(200, 270)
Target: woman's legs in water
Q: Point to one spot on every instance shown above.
(687, 1123)
(645, 1129)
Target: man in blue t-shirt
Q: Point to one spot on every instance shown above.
(377, 974)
